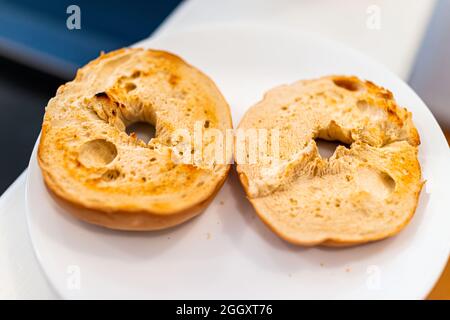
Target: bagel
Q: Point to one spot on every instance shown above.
(87, 158)
(364, 192)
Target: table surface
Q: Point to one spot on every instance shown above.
(372, 26)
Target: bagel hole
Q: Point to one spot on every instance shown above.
(327, 148)
(130, 86)
(111, 175)
(136, 74)
(97, 153)
(348, 84)
(143, 131)
(378, 183)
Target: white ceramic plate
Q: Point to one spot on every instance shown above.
(227, 252)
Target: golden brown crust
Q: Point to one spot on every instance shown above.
(339, 242)
(87, 158)
(374, 184)
(132, 221)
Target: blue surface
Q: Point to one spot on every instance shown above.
(35, 32)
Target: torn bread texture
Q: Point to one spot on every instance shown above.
(364, 192)
(89, 160)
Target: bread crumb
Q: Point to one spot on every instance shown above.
(208, 236)
(322, 264)
(221, 202)
(348, 269)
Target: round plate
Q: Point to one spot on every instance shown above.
(227, 252)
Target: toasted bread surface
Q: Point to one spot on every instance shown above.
(89, 160)
(364, 192)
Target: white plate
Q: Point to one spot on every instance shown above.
(227, 252)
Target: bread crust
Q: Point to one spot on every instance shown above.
(116, 180)
(135, 220)
(355, 110)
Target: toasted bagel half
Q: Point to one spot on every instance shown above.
(367, 190)
(88, 159)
